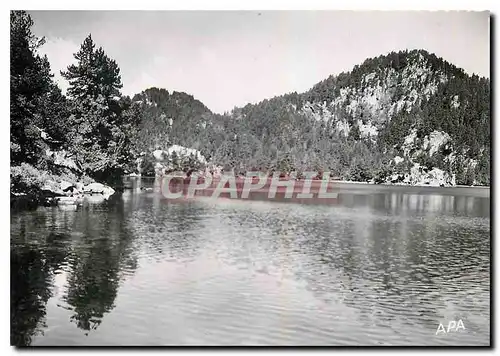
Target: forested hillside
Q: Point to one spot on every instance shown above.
(389, 115)
(407, 117)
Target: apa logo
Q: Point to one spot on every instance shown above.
(452, 326)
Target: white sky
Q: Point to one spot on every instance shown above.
(227, 59)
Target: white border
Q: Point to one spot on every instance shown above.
(478, 5)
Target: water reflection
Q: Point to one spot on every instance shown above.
(89, 245)
(31, 279)
(385, 267)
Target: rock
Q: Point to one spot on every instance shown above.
(98, 188)
(79, 187)
(75, 200)
(96, 199)
(65, 186)
(68, 188)
(70, 207)
(50, 202)
(159, 169)
(63, 159)
(185, 152)
(52, 188)
(23, 202)
(158, 155)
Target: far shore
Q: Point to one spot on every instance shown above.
(342, 186)
(363, 183)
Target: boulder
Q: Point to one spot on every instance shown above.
(52, 188)
(76, 200)
(98, 188)
(79, 187)
(66, 185)
(96, 199)
(158, 155)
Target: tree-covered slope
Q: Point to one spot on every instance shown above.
(403, 117)
(174, 118)
(388, 116)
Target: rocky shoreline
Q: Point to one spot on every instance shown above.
(67, 194)
(31, 188)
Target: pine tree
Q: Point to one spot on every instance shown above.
(30, 82)
(94, 75)
(104, 122)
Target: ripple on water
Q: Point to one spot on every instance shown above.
(379, 270)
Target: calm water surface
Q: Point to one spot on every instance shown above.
(382, 266)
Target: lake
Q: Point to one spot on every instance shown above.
(379, 266)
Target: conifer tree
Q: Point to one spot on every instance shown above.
(30, 82)
(104, 122)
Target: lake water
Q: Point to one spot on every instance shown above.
(381, 266)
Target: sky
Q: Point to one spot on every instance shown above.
(227, 59)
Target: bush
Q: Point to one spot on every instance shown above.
(26, 177)
(148, 165)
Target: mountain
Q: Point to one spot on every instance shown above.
(403, 117)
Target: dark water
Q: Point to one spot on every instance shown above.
(380, 267)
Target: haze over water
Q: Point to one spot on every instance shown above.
(382, 266)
